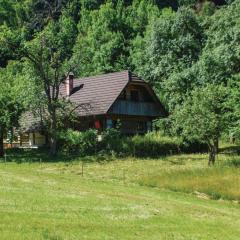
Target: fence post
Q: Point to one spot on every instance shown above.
(82, 168)
(134, 150)
(123, 177)
(5, 158)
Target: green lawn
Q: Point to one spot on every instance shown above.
(111, 201)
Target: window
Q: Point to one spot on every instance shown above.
(109, 123)
(134, 96)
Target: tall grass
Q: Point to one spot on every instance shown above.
(217, 182)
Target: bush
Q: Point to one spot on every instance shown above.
(153, 145)
(75, 142)
(112, 143)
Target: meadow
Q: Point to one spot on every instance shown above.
(172, 197)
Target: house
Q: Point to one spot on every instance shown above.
(103, 101)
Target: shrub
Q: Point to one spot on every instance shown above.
(83, 143)
(111, 140)
(153, 145)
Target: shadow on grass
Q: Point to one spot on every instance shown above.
(42, 155)
(35, 155)
(230, 150)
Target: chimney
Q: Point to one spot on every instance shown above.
(69, 84)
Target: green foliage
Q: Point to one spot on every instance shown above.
(203, 116)
(171, 44)
(82, 143)
(233, 103)
(99, 48)
(12, 13)
(220, 56)
(12, 93)
(154, 145)
(178, 46)
(110, 142)
(11, 98)
(105, 35)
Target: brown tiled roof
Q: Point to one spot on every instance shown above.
(98, 93)
(95, 95)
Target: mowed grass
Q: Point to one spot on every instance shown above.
(54, 201)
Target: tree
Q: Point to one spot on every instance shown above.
(171, 44)
(234, 104)
(11, 101)
(48, 54)
(100, 46)
(204, 116)
(220, 57)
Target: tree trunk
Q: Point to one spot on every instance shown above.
(53, 145)
(53, 135)
(232, 138)
(216, 145)
(212, 155)
(1, 143)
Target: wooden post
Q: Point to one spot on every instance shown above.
(134, 150)
(5, 157)
(82, 168)
(123, 176)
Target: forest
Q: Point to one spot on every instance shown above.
(188, 50)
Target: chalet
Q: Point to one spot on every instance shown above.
(107, 99)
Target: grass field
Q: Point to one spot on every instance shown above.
(124, 199)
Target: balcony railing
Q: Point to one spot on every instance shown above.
(135, 108)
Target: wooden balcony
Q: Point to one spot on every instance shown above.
(125, 107)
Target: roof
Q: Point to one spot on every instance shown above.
(98, 93)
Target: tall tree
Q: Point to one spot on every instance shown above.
(48, 55)
(100, 46)
(220, 56)
(204, 116)
(171, 45)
